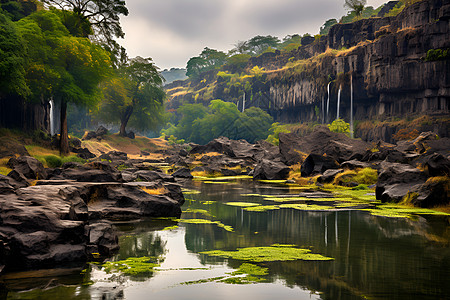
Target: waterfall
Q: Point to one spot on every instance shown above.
(52, 117)
(328, 100)
(243, 102)
(351, 105)
(338, 102)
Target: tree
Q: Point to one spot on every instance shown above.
(258, 44)
(209, 59)
(135, 95)
(61, 66)
(355, 5)
(99, 18)
(327, 26)
(12, 71)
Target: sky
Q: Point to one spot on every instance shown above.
(173, 31)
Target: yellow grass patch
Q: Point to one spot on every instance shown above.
(4, 170)
(209, 154)
(157, 191)
(36, 150)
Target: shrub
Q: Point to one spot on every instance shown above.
(53, 161)
(73, 158)
(339, 125)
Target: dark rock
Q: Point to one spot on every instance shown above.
(183, 173)
(28, 166)
(228, 172)
(434, 192)
(269, 170)
(307, 39)
(84, 153)
(317, 164)
(436, 165)
(294, 148)
(101, 131)
(328, 175)
(396, 180)
(89, 135)
(114, 155)
(89, 175)
(12, 182)
(74, 142)
(102, 239)
(354, 164)
(144, 175)
(183, 152)
(131, 135)
(10, 147)
(145, 153)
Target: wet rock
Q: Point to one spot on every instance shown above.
(102, 239)
(434, 192)
(294, 149)
(317, 164)
(269, 170)
(183, 173)
(396, 180)
(329, 175)
(28, 166)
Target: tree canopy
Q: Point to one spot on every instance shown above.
(209, 59)
(355, 5)
(134, 95)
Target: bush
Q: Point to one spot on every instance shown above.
(274, 132)
(53, 161)
(72, 158)
(339, 125)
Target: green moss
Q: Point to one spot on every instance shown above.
(398, 211)
(273, 181)
(208, 202)
(262, 208)
(190, 192)
(266, 254)
(286, 199)
(132, 266)
(206, 280)
(242, 204)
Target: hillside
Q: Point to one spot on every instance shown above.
(398, 68)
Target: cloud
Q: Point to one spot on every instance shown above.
(172, 31)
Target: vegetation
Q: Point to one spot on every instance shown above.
(271, 253)
(199, 124)
(357, 6)
(339, 125)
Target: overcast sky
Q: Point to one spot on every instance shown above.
(172, 31)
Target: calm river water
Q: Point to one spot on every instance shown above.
(374, 257)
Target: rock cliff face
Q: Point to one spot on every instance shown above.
(384, 58)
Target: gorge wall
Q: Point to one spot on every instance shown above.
(388, 60)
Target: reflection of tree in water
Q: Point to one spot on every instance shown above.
(142, 244)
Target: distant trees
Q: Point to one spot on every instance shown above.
(200, 124)
(134, 95)
(209, 59)
(356, 6)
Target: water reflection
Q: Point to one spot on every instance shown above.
(375, 257)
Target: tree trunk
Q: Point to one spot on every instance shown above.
(64, 136)
(124, 120)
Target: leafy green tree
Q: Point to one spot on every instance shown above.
(18, 9)
(356, 6)
(327, 26)
(134, 96)
(61, 66)
(238, 61)
(12, 71)
(253, 125)
(209, 59)
(259, 43)
(189, 113)
(101, 18)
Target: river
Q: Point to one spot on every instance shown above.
(374, 257)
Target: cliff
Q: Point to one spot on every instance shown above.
(398, 67)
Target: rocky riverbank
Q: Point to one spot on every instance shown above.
(53, 217)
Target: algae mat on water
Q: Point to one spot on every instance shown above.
(203, 221)
(272, 253)
(132, 266)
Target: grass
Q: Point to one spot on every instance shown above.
(4, 169)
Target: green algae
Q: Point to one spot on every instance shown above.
(171, 227)
(285, 199)
(267, 254)
(222, 178)
(307, 207)
(206, 280)
(203, 221)
(398, 211)
(190, 192)
(273, 181)
(261, 208)
(242, 204)
(198, 211)
(208, 202)
(132, 266)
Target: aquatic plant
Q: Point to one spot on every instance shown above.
(132, 266)
(275, 252)
(242, 204)
(203, 221)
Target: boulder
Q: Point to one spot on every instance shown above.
(435, 191)
(84, 153)
(28, 166)
(131, 135)
(270, 170)
(328, 175)
(114, 156)
(145, 175)
(294, 149)
(101, 131)
(436, 165)
(396, 180)
(317, 164)
(354, 164)
(183, 173)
